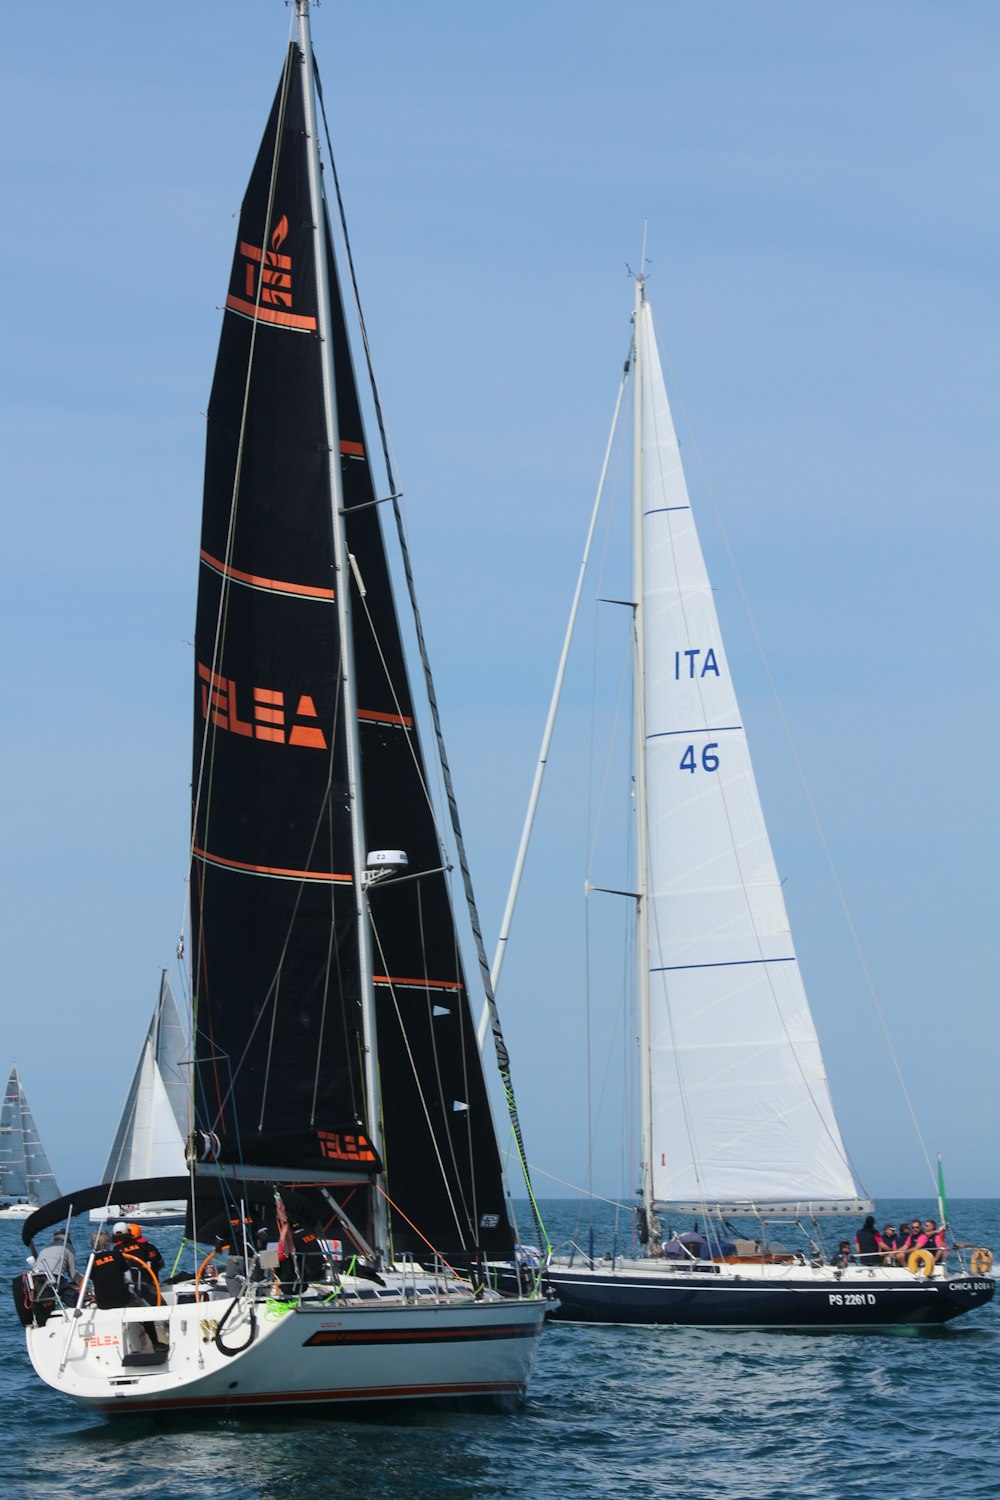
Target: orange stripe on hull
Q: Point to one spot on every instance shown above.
(248, 869)
(305, 590)
(268, 315)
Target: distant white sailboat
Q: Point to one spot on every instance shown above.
(149, 1142)
(25, 1174)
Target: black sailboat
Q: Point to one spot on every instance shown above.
(341, 1114)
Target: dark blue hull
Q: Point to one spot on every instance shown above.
(727, 1300)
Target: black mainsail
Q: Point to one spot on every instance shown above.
(343, 1153)
(276, 944)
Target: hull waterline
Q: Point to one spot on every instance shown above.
(762, 1297)
(317, 1354)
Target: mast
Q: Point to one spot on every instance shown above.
(342, 564)
(639, 753)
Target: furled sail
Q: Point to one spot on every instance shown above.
(24, 1167)
(279, 1039)
(150, 1138)
(741, 1110)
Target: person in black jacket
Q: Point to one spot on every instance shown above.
(143, 1250)
(888, 1244)
(866, 1243)
(109, 1270)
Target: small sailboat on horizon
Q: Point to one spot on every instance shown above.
(344, 1189)
(736, 1125)
(27, 1181)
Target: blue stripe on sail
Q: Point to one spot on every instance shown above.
(663, 734)
(732, 963)
(661, 510)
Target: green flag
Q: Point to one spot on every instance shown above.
(942, 1200)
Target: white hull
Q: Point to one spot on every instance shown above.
(326, 1350)
(146, 1214)
(17, 1211)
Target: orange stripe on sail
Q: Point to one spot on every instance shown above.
(239, 864)
(419, 984)
(252, 252)
(356, 450)
(268, 315)
(379, 718)
(306, 590)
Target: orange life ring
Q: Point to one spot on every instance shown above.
(920, 1260)
(981, 1262)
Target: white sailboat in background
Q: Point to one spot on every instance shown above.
(737, 1129)
(149, 1142)
(25, 1173)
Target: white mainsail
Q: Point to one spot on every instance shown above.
(24, 1167)
(740, 1109)
(151, 1133)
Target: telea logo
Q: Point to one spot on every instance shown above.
(275, 272)
(266, 290)
(261, 715)
(342, 1147)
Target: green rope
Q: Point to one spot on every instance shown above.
(274, 1307)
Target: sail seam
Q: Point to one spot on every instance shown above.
(732, 963)
(664, 734)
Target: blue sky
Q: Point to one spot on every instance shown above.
(821, 193)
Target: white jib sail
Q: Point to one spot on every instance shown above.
(741, 1110)
(150, 1137)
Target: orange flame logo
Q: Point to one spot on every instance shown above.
(280, 234)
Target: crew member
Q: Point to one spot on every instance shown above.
(109, 1270)
(934, 1240)
(55, 1266)
(143, 1250)
(866, 1243)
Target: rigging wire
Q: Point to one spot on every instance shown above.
(207, 756)
(503, 1059)
(421, 1095)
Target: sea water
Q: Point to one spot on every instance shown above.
(610, 1412)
